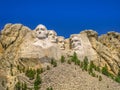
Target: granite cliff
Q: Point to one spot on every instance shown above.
(26, 48)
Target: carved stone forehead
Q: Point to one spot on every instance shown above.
(41, 27)
(52, 32)
(60, 38)
(74, 36)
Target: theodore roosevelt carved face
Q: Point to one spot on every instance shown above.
(61, 42)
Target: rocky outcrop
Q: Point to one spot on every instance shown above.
(10, 39)
(106, 48)
(35, 48)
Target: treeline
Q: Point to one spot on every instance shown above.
(32, 74)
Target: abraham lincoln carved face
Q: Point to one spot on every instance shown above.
(75, 42)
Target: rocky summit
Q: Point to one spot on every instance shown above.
(39, 59)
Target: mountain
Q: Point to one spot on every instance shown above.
(24, 53)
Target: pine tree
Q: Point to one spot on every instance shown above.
(62, 59)
(18, 86)
(85, 62)
(24, 86)
(105, 70)
(48, 67)
(74, 57)
(52, 61)
(37, 82)
(100, 78)
(30, 73)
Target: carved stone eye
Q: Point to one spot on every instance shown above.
(42, 29)
(50, 34)
(60, 41)
(75, 40)
(37, 29)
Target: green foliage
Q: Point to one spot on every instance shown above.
(36, 87)
(48, 67)
(30, 73)
(53, 62)
(77, 62)
(100, 78)
(85, 63)
(98, 68)
(93, 74)
(105, 71)
(74, 57)
(62, 59)
(91, 66)
(18, 86)
(24, 86)
(40, 70)
(37, 82)
(117, 79)
(49, 88)
(118, 73)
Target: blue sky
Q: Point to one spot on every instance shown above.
(64, 16)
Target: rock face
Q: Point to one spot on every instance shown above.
(35, 48)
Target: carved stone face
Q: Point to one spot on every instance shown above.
(52, 35)
(61, 42)
(41, 31)
(75, 42)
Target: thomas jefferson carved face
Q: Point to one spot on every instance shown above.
(61, 42)
(52, 35)
(41, 31)
(75, 42)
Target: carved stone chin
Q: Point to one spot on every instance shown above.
(52, 36)
(41, 31)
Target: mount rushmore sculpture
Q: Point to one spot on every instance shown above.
(19, 42)
(21, 46)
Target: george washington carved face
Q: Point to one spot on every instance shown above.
(41, 31)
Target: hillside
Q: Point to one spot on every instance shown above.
(26, 53)
(71, 77)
